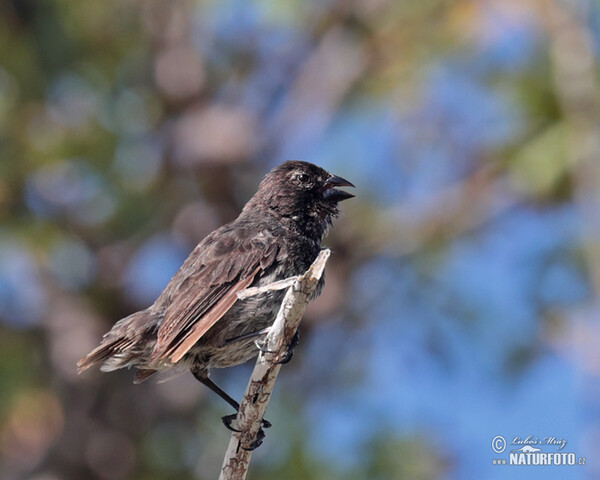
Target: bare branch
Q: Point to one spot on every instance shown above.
(279, 285)
(257, 395)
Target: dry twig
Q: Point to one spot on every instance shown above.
(257, 395)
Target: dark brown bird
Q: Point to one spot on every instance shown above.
(197, 322)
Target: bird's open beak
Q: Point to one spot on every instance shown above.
(331, 193)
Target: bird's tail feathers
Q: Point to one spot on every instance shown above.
(125, 345)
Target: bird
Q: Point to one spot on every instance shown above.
(198, 322)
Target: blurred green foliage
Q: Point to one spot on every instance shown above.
(129, 130)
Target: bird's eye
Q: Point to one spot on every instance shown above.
(303, 178)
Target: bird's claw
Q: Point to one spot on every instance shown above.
(257, 442)
(285, 357)
(289, 353)
(228, 420)
(261, 346)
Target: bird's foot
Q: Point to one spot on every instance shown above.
(289, 352)
(229, 419)
(257, 442)
(260, 344)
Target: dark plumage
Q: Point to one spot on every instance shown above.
(191, 324)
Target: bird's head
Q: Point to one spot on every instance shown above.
(301, 193)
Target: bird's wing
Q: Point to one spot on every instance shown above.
(206, 286)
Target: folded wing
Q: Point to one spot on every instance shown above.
(206, 287)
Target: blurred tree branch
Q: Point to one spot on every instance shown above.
(574, 75)
(458, 209)
(257, 395)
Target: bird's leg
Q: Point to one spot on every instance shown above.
(202, 377)
(289, 353)
(286, 356)
(247, 336)
(258, 342)
(257, 441)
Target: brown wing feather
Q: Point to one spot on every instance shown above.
(193, 302)
(216, 312)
